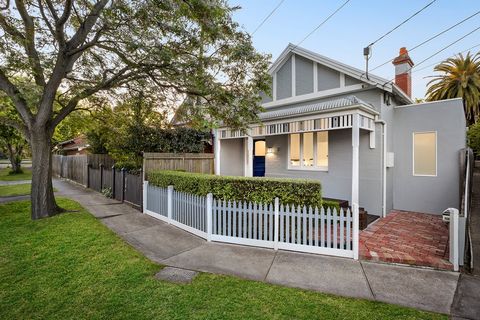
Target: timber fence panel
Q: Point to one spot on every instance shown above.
(315, 230)
(117, 189)
(133, 189)
(270, 225)
(75, 167)
(189, 213)
(189, 162)
(94, 178)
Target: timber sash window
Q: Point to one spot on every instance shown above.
(424, 153)
(308, 151)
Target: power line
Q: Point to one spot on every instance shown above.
(435, 63)
(323, 22)
(267, 17)
(439, 51)
(402, 23)
(430, 39)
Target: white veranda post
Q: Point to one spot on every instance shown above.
(216, 150)
(355, 181)
(248, 158)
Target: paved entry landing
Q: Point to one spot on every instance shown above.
(409, 238)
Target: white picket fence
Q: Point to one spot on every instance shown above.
(274, 225)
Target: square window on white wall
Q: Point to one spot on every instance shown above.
(424, 153)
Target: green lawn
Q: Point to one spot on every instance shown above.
(5, 176)
(15, 190)
(71, 266)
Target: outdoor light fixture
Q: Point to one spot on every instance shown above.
(270, 150)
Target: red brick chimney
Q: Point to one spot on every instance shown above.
(403, 65)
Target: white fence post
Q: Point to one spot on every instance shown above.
(454, 244)
(209, 216)
(276, 217)
(145, 188)
(355, 237)
(169, 203)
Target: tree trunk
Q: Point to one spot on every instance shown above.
(42, 197)
(14, 156)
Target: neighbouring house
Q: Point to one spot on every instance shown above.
(76, 146)
(362, 136)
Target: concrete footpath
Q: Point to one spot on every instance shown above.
(11, 183)
(420, 288)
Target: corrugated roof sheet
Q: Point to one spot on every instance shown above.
(315, 107)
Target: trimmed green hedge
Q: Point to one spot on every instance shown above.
(264, 190)
(331, 204)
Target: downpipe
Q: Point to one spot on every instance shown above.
(384, 166)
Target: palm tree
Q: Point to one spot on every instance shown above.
(460, 79)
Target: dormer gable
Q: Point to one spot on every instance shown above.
(299, 74)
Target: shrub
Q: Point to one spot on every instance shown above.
(14, 172)
(474, 138)
(331, 204)
(107, 192)
(264, 190)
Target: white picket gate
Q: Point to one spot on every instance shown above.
(274, 225)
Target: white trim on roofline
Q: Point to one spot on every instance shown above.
(428, 102)
(353, 72)
(316, 95)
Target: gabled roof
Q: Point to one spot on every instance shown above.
(342, 103)
(353, 72)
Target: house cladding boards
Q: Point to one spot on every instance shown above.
(350, 81)
(303, 75)
(284, 80)
(327, 78)
(298, 76)
(265, 98)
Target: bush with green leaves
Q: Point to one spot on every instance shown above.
(474, 138)
(260, 190)
(107, 192)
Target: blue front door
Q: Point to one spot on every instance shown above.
(259, 150)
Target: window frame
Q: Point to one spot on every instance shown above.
(301, 167)
(413, 154)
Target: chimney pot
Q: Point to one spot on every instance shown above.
(403, 65)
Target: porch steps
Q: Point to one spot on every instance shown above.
(363, 214)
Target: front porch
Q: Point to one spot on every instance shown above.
(405, 237)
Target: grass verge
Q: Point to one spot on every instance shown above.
(15, 190)
(72, 266)
(5, 176)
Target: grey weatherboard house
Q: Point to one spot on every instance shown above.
(364, 138)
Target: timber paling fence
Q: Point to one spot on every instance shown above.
(97, 172)
(189, 162)
(75, 167)
(118, 183)
(273, 225)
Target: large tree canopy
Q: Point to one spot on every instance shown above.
(459, 78)
(73, 50)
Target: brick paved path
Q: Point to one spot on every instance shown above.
(409, 238)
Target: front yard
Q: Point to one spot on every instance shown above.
(71, 266)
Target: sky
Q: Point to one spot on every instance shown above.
(360, 23)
